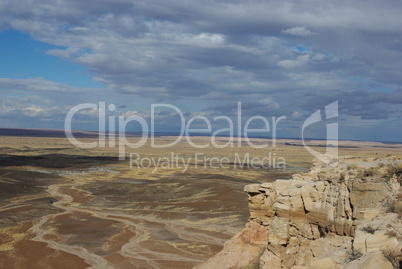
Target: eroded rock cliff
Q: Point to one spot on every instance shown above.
(348, 216)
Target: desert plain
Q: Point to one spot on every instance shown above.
(62, 206)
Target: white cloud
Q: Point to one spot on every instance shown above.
(33, 111)
(298, 31)
(35, 84)
(300, 61)
(134, 113)
(8, 108)
(270, 102)
(67, 53)
(319, 57)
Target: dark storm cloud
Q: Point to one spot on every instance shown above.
(277, 57)
(366, 105)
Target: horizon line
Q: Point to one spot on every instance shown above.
(168, 133)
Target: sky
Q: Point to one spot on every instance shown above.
(278, 58)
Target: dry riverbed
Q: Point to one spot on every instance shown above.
(65, 207)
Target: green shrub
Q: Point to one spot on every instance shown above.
(390, 206)
(353, 255)
(370, 172)
(394, 169)
(393, 255)
(391, 233)
(369, 229)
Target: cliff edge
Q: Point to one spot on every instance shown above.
(348, 216)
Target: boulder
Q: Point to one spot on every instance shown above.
(269, 260)
(278, 232)
(325, 263)
(243, 249)
(370, 261)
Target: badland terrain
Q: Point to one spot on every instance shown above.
(66, 207)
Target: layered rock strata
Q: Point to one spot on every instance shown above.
(346, 216)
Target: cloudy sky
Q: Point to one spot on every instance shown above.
(278, 58)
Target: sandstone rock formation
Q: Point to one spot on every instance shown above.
(347, 216)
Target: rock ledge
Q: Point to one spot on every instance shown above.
(347, 216)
